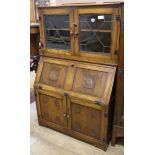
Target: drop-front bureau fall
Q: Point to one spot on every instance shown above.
(75, 81)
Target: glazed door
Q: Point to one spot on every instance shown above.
(57, 31)
(96, 33)
(51, 109)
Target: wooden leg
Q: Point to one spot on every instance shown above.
(113, 137)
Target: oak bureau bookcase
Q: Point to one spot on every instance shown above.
(75, 81)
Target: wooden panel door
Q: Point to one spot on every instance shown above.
(97, 33)
(51, 109)
(86, 120)
(56, 31)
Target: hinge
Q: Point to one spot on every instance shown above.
(120, 72)
(66, 94)
(118, 18)
(99, 102)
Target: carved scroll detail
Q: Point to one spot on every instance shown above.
(88, 82)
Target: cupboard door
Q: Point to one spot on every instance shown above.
(52, 109)
(96, 32)
(86, 121)
(57, 30)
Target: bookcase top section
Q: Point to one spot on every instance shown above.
(82, 4)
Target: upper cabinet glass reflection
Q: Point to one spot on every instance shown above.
(95, 33)
(57, 31)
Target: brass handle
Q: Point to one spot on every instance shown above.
(71, 33)
(75, 24)
(65, 114)
(68, 116)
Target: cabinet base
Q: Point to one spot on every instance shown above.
(102, 145)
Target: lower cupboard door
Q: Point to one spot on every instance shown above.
(86, 122)
(52, 109)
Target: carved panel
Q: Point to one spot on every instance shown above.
(53, 75)
(85, 120)
(77, 109)
(57, 104)
(88, 82)
(51, 109)
(91, 82)
(46, 115)
(58, 120)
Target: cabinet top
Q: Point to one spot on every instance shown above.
(83, 4)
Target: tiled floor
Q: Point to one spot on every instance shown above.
(45, 141)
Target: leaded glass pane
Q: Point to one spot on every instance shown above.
(95, 33)
(57, 31)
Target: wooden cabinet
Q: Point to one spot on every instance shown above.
(74, 85)
(74, 98)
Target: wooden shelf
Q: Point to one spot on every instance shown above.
(59, 29)
(85, 30)
(95, 30)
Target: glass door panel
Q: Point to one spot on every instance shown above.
(57, 31)
(95, 33)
